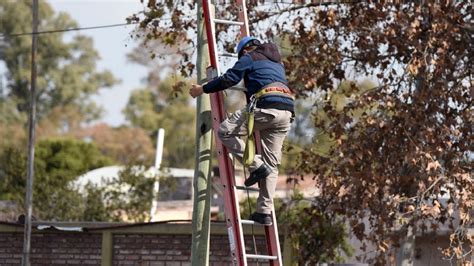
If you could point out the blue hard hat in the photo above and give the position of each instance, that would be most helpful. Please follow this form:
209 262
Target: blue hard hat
244 42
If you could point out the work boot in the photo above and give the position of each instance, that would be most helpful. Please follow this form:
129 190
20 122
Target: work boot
260 173
261 218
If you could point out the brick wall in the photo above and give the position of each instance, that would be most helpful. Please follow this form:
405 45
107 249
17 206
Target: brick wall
143 245
173 250
52 249
151 249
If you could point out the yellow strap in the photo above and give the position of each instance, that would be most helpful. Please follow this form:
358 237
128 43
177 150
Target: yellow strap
249 152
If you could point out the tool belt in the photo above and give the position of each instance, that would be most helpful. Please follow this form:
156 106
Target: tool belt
285 92
271 89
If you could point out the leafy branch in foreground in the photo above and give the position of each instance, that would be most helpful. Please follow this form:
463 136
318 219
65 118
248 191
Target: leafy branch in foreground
406 160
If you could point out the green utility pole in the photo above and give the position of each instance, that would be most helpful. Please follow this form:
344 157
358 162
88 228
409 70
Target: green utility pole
202 172
25 260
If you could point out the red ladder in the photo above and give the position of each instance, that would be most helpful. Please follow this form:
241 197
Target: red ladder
231 203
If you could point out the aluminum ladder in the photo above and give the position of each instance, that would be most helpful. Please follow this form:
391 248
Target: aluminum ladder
231 204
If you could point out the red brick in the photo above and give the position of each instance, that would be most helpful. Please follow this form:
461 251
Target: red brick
13 261
173 252
158 252
157 263
131 257
181 258
90 262
148 257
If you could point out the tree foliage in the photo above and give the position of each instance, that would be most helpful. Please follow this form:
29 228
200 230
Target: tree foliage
58 163
67 78
309 229
410 146
158 106
67 74
129 196
412 142
123 144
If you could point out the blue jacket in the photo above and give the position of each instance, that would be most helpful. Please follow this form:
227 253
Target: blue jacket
258 68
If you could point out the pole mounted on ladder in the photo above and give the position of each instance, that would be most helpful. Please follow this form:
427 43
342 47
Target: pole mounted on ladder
232 213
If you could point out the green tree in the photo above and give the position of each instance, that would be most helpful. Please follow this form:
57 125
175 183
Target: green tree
160 106
129 196
94 205
58 163
67 70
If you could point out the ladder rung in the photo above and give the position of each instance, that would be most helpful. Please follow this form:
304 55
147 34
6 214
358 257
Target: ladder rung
262 257
228 55
253 222
248 188
223 21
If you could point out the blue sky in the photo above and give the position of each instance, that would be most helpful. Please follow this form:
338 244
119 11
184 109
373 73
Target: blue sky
113 45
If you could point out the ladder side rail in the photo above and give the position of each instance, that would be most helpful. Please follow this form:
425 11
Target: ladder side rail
273 241
234 226
271 232
244 29
226 172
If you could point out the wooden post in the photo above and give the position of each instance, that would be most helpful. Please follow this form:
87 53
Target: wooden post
202 172
107 249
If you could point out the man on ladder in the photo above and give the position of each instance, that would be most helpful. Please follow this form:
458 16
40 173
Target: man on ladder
270 111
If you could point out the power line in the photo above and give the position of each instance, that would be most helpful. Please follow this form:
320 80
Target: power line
65 30
6 35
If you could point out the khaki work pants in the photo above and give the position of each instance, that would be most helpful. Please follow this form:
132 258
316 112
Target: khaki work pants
273 125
